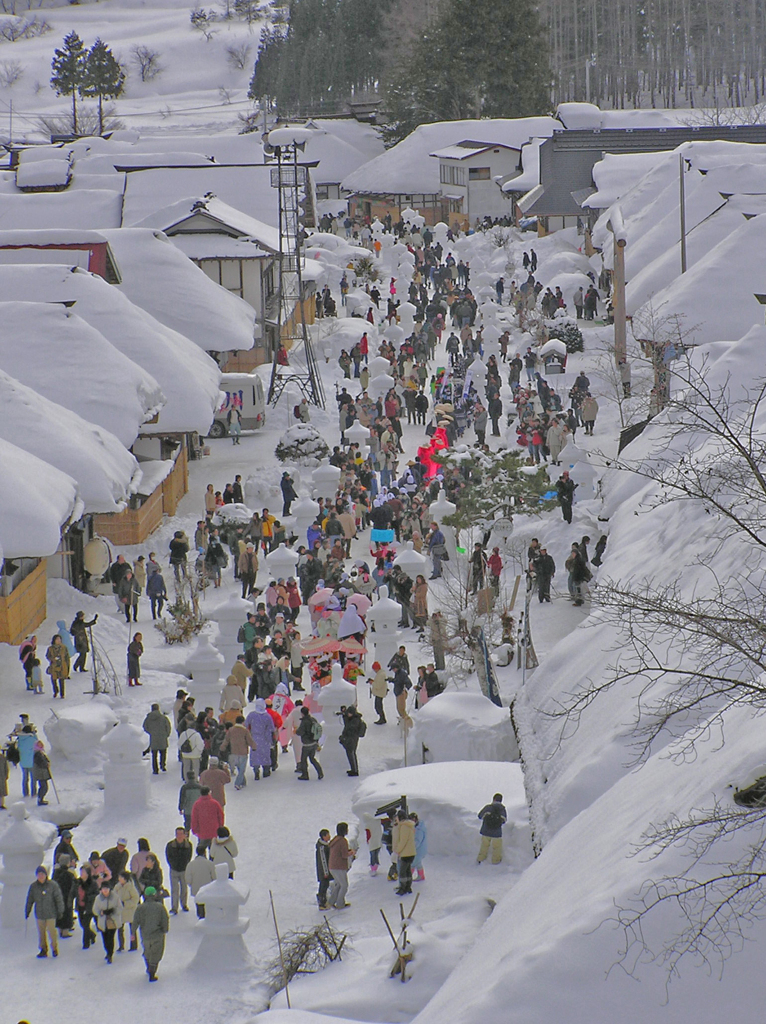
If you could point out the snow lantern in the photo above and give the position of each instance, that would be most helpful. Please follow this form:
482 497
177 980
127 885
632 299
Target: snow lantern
126 781
478 371
357 433
205 666
379 365
337 694
439 510
305 512
325 478
410 562
394 334
281 562
380 386
22 848
384 617
230 615
407 313
223 945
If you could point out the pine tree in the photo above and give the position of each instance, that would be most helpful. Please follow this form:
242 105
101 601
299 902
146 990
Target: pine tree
68 67
479 58
103 77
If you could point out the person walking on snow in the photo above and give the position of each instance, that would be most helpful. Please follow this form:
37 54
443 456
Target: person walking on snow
341 857
178 854
565 489
403 846
322 857
158 729
206 818
199 872
152 921
263 731
493 816
107 910
79 630
309 732
45 896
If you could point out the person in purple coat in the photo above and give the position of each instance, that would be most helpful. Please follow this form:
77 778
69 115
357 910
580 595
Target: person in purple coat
263 731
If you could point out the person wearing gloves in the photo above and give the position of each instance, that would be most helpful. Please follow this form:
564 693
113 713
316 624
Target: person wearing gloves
107 910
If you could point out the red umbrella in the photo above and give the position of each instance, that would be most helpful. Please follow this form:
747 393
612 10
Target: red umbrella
319 645
351 646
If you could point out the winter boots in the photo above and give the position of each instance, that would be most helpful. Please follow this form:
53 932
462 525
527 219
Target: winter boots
418 875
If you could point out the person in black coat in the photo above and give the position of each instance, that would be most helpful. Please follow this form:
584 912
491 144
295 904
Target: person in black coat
79 631
323 869
66 881
565 489
289 494
85 893
116 858
354 727
545 569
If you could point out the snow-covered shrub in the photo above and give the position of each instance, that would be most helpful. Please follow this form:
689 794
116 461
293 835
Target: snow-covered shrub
568 332
365 269
302 445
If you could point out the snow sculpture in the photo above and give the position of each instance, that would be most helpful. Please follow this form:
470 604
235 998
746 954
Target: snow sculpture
337 694
438 510
22 848
379 365
230 615
380 386
384 616
305 512
281 562
357 433
205 665
126 779
75 731
223 945
326 479
410 562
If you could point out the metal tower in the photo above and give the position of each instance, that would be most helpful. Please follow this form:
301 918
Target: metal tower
282 146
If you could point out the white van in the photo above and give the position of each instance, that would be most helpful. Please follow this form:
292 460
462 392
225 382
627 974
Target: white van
244 390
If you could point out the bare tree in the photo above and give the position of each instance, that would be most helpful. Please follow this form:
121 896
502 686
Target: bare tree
147 61
11 72
14 29
238 56
203 22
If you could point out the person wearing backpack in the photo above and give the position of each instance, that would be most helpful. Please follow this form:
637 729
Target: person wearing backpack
310 732
191 747
493 817
354 727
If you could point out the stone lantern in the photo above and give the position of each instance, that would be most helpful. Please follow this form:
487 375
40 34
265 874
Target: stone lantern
22 847
305 512
126 779
230 615
326 479
223 945
410 562
205 665
281 562
385 616
337 694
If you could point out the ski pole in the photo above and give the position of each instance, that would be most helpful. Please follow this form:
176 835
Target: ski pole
55 790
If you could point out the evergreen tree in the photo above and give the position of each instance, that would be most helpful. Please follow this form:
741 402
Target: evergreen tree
68 67
479 58
103 77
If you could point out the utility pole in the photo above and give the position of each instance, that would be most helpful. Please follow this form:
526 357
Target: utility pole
617 227
590 62
683 210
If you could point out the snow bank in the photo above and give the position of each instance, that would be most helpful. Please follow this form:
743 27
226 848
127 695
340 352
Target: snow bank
189 378
164 282
56 353
462 727
104 469
36 499
448 796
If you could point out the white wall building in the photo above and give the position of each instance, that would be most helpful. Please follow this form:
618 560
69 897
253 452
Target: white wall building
471 175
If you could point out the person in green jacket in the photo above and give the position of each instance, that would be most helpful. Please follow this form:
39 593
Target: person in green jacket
152 921
45 896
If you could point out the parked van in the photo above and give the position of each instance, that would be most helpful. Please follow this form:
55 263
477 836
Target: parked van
243 391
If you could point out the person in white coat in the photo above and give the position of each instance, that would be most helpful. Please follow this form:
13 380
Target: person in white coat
199 872
192 746
223 849
289 725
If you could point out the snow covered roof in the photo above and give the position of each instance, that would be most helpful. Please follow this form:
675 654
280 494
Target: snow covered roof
84 209
530 174
465 149
409 167
55 352
216 212
158 277
588 115
246 188
36 500
55 172
615 174
105 471
189 378
210 245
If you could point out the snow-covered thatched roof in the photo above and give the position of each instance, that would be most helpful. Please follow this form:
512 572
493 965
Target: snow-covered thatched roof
36 500
189 378
57 353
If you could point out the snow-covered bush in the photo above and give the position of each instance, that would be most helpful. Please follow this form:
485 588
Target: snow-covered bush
567 331
302 445
365 269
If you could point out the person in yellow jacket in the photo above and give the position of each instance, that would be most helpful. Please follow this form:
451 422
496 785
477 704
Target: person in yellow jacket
267 530
403 847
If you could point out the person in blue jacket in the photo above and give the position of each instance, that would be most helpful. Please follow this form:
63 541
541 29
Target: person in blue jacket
26 743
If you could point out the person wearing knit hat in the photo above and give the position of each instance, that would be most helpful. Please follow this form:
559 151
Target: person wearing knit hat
152 921
41 772
379 689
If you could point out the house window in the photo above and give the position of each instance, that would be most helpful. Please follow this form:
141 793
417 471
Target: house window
456 206
478 174
451 175
322 191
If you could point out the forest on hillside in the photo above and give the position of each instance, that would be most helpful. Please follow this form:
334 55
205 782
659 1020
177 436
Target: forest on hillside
617 53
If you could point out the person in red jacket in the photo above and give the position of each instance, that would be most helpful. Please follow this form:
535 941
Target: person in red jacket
206 818
495 566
